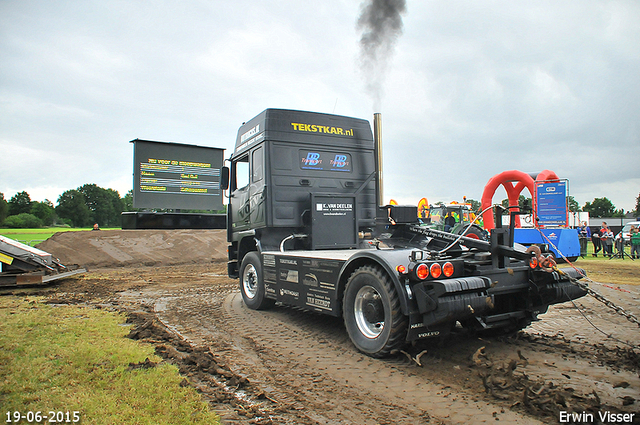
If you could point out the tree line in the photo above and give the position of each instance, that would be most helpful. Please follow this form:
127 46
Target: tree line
82 207
90 204
598 208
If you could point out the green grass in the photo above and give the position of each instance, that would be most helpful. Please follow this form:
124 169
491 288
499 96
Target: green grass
34 236
71 358
615 271
611 271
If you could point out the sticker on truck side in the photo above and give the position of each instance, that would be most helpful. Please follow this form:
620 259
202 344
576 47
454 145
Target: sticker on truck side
325 161
324 129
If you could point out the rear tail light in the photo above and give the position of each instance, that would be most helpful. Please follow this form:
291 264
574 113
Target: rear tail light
447 269
435 270
422 271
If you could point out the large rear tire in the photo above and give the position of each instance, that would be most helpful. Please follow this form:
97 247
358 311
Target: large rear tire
372 314
475 232
252 284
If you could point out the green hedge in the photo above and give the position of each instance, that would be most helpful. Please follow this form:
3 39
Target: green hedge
23 220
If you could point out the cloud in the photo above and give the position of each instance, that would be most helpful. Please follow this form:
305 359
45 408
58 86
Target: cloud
517 85
471 89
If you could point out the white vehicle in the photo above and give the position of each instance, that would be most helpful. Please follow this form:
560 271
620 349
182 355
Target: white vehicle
625 231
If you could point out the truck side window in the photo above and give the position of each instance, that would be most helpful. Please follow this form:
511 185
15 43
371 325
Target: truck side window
241 173
258 165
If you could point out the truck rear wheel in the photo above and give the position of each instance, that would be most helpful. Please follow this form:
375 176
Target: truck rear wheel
371 311
252 284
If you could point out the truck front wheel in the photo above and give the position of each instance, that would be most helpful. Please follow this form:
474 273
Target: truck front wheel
371 311
251 283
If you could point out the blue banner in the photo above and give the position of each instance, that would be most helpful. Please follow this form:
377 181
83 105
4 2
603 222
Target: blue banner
551 204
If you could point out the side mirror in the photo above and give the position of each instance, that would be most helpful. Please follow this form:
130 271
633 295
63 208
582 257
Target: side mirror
224 178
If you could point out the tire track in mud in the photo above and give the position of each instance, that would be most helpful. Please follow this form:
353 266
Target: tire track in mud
306 365
293 388
564 320
318 345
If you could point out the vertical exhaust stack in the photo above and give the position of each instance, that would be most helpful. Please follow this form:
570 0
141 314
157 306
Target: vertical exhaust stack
377 138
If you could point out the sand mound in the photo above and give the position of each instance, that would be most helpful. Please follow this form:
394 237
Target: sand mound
117 248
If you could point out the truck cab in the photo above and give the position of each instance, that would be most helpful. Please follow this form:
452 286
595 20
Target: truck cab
306 228
283 161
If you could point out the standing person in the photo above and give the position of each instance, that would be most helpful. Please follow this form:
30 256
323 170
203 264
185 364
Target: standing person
606 237
635 242
584 234
619 240
597 244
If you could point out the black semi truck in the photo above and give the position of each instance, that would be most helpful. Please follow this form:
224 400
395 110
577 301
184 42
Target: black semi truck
307 228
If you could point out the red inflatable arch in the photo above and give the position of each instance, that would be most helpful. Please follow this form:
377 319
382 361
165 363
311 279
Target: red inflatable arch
547 175
514 182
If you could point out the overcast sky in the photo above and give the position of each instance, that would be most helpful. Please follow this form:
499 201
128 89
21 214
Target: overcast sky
472 88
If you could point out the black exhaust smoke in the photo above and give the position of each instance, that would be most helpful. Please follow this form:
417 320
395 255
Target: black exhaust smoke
381 25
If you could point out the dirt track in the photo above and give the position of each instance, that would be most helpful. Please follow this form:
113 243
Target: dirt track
287 366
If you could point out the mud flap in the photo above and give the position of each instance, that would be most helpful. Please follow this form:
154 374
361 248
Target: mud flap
451 300
552 288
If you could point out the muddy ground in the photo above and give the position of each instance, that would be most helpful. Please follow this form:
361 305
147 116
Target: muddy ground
284 366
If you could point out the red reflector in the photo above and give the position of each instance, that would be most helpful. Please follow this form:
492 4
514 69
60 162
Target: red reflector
435 270
447 269
401 269
422 271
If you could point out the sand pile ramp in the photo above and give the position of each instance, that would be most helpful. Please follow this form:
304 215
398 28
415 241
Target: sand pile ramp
125 248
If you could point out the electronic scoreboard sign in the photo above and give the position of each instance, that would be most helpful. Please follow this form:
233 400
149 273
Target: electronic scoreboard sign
176 176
